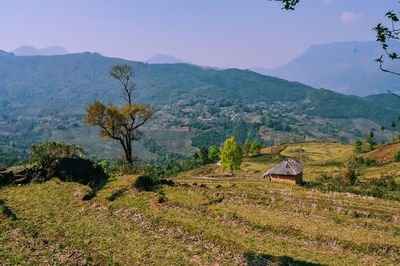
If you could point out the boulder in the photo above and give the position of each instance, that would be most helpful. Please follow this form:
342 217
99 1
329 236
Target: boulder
35 173
6 176
77 170
67 169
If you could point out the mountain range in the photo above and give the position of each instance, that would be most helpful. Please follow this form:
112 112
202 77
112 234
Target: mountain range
44 97
346 67
27 50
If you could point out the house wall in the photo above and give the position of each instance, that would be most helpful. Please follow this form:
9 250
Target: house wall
288 179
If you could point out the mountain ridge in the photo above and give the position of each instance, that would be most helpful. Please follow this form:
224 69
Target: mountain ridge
163 59
44 97
345 67
27 50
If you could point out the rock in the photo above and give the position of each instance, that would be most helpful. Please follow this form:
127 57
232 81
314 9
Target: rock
67 169
6 176
78 170
35 173
164 181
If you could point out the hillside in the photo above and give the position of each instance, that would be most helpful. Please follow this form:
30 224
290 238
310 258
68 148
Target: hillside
346 67
44 97
207 217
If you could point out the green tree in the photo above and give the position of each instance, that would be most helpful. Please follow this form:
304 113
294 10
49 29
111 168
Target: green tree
255 147
121 124
369 138
393 126
398 122
231 155
246 148
203 154
213 153
358 145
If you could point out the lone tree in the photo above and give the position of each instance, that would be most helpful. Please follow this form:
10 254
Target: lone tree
231 155
116 123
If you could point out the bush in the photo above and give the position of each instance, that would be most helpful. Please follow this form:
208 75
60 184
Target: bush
383 187
213 153
255 147
366 160
49 151
396 155
145 183
350 175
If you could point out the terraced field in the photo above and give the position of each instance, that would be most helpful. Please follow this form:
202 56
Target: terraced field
207 217
201 220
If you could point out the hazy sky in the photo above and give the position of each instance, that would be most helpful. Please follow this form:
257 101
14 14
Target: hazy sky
222 33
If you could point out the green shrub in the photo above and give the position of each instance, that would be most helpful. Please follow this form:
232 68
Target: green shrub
350 175
127 169
396 155
50 151
383 187
366 160
145 183
213 153
255 147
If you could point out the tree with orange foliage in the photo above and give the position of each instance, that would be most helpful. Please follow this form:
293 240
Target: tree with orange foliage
123 123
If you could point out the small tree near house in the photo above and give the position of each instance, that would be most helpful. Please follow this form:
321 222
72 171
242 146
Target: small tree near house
213 153
121 124
246 148
255 147
231 155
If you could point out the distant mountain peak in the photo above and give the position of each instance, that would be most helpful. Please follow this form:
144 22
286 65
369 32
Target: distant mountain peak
27 50
344 67
163 59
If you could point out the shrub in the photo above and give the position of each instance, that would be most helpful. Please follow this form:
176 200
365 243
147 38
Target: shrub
50 151
145 183
366 160
350 175
255 147
358 145
213 153
396 155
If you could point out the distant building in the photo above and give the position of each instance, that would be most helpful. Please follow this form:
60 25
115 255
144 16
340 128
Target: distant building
289 171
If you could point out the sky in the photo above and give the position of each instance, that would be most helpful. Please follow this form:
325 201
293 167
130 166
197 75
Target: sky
219 33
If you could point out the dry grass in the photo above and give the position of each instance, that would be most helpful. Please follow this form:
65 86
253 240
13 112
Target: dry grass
239 219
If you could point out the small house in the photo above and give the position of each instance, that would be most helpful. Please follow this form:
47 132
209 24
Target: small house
289 171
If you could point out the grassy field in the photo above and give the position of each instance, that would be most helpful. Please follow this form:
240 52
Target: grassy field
207 218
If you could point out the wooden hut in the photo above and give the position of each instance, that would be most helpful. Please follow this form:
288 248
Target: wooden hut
289 171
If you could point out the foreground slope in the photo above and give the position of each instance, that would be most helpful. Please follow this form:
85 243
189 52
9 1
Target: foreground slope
206 218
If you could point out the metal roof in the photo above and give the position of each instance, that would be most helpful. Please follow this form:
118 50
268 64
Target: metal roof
287 167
